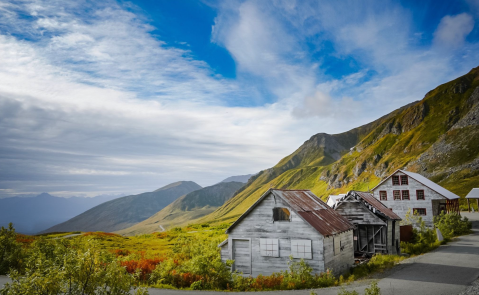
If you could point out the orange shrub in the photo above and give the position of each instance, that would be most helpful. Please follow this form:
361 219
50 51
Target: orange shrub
146 266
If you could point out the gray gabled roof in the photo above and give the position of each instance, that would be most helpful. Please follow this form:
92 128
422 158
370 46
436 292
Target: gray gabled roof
473 194
430 184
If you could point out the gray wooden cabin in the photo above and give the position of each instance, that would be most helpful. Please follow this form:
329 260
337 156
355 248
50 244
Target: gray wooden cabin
377 227
284 223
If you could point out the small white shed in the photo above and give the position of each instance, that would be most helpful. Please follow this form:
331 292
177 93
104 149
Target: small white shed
284 223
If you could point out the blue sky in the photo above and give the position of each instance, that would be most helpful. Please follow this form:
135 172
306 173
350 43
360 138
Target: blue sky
127 96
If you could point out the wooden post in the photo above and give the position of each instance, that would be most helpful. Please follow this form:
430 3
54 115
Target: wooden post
477 205
469 206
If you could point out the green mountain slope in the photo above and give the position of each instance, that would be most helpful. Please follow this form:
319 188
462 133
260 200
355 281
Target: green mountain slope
126 211
437 137
187 208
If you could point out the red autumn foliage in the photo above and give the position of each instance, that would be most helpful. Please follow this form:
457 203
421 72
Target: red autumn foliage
24 239
267 282
145 265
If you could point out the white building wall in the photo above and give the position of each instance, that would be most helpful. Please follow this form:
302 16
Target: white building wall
431 202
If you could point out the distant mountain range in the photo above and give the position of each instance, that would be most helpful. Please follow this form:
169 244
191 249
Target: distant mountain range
187 208
437 137
238 178
33 214
125 211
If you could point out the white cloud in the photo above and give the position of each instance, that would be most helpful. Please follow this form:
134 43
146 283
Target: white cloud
102 106
453 30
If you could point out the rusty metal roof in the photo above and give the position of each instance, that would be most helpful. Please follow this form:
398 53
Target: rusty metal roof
378 205
309 207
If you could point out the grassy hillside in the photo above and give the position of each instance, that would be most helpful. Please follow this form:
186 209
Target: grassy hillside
187 208
126 211
437 137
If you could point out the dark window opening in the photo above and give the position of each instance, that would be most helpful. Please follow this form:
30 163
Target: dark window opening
405 195
419 211
420 195
280 214
404 180
397 195
396 180
383 195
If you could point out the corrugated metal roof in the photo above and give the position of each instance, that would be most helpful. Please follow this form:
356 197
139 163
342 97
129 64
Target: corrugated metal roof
314 211
371 200
473 194
309 207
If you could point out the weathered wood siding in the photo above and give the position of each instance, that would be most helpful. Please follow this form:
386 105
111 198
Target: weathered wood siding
259 224
224 252
400 207
342 261
357 213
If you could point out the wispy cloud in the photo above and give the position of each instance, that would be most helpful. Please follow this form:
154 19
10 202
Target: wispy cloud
93 101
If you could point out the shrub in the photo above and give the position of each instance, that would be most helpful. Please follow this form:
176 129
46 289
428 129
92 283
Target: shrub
452 225
373 289
11 253
64 267
378 262
424 239
194 259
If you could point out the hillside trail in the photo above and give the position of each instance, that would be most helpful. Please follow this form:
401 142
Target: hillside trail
450 269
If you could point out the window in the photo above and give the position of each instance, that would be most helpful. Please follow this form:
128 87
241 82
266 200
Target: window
405 195
301 249
280 214
397 195
419 211
404 180
420 194
396 180
269 247
383 195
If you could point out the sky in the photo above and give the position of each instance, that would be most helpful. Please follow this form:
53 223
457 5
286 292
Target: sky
113 97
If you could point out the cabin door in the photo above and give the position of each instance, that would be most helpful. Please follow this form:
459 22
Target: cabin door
242 255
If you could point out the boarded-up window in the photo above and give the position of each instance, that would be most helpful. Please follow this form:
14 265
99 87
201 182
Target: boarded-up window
301 249
281 214
405 195
397 195
337 245
420 194
396 180
269 247
383 195
404 180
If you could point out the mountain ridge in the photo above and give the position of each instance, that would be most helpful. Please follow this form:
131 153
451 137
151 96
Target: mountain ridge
31 214
125 211
372 151
187 208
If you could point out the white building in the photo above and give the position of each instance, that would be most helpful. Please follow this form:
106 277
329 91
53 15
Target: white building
333 199
404 190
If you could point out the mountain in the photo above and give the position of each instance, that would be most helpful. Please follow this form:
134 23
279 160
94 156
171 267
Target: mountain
126 211
437 137
187 208
238 178
32 214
